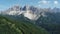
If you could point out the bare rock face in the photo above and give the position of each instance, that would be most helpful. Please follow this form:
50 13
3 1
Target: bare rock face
30 12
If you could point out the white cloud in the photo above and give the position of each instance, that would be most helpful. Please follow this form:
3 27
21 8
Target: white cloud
39 5
55 2
44 2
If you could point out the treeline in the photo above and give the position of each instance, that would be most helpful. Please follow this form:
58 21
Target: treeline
51 22
9 26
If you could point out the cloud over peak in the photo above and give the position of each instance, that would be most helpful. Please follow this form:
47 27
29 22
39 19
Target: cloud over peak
56 2
48 2
44 2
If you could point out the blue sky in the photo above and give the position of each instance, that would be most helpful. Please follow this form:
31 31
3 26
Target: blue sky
5 4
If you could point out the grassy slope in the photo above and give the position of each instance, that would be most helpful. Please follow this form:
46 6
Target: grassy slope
22 27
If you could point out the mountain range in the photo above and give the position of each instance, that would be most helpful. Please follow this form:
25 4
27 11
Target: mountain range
30 12
47 18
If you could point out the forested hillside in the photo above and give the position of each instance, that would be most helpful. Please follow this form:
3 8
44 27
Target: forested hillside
9 26
51 22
